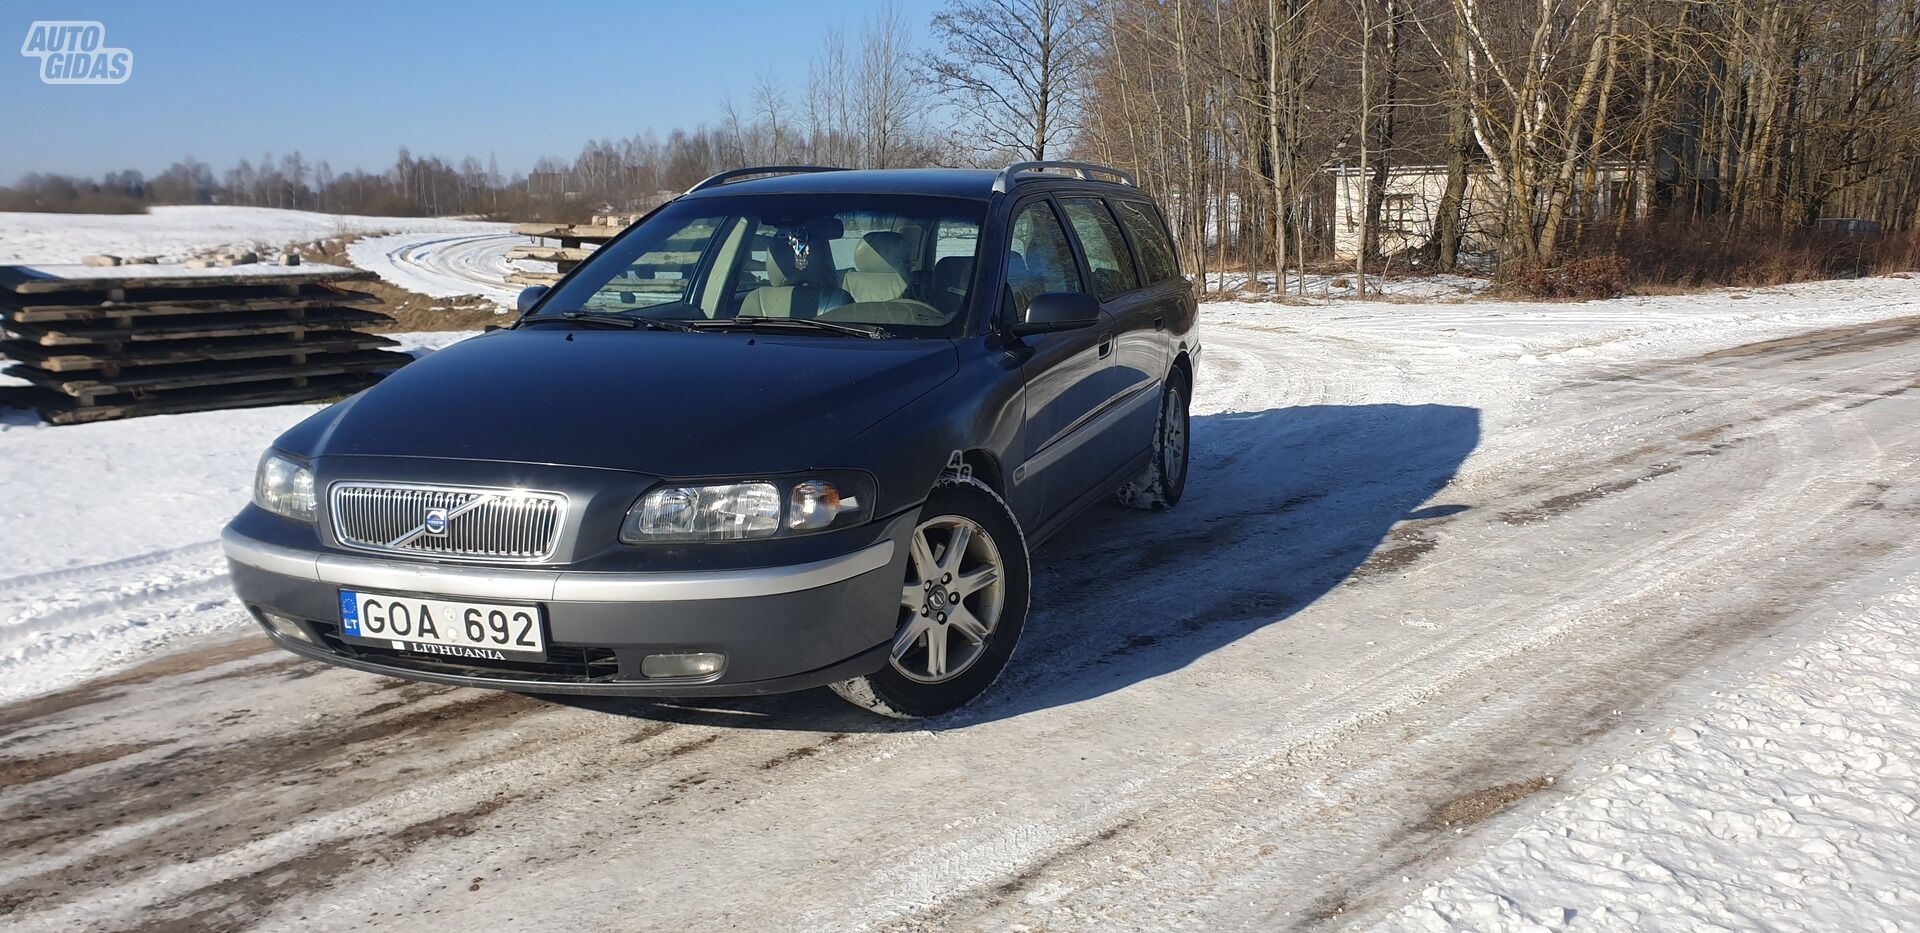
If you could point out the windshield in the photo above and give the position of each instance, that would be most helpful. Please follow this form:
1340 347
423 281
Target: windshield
903 265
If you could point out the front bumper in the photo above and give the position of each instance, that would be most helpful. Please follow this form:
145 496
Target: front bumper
779 628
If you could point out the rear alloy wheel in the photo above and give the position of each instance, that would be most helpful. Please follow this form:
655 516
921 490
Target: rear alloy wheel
962 606
1160 486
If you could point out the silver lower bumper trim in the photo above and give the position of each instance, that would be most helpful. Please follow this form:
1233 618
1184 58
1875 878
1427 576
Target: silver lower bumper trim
550 585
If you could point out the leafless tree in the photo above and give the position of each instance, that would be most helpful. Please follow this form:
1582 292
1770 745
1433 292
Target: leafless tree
888 98
1012 70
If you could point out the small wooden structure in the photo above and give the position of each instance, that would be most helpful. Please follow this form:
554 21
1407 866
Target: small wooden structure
577 241
119 341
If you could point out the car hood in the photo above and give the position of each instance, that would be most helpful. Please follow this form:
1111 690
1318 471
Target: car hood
667 404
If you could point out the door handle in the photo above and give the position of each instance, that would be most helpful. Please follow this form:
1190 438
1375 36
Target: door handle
1106 345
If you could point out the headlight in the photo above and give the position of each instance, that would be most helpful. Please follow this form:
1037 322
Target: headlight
758 509
284 487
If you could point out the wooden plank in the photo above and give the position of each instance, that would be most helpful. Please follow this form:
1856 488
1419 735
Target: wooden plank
46 279
532 278
151 379
111 310
549 253
60 409
196 326
590 234
188 351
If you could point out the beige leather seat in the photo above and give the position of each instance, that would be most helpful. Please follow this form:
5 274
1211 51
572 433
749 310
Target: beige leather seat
879 268
787 293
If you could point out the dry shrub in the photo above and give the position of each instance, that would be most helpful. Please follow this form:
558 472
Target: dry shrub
1677 255
1583 277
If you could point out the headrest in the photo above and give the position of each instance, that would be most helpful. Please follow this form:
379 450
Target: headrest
782 268
1016 265
952 273
881 251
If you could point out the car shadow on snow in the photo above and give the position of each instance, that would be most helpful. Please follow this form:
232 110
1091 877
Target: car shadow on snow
1281 507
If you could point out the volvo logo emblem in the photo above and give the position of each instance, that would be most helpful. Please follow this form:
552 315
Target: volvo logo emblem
435 523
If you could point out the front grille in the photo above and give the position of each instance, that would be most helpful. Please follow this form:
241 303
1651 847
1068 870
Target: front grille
479 524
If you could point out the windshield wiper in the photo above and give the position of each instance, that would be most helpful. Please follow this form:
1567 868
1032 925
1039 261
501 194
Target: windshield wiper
870 331
612 320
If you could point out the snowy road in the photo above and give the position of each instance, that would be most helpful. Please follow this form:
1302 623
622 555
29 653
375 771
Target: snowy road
1437 565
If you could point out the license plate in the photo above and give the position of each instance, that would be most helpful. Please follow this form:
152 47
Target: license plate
459 629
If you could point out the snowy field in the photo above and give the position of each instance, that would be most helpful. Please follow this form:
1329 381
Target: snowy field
439 257
1478 615
178 233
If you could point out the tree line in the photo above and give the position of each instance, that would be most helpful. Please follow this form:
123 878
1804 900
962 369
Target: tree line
1723 120
1548 129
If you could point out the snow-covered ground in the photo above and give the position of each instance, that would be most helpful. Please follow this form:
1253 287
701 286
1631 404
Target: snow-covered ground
1331 286
1791 803
109 552
1481 615
1432 556
176 233
441 257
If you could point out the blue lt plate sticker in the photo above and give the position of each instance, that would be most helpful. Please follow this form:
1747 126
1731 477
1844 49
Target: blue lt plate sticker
349 614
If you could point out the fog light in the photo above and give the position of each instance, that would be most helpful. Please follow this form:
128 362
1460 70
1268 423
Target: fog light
286 627
681 665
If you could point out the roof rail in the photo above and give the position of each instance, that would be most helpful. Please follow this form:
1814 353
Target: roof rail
1009 176
715 181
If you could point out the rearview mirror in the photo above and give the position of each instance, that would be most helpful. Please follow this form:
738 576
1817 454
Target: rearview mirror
529 297
1057 311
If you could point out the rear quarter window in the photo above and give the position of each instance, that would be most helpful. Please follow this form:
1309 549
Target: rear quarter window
1157 261
1102 245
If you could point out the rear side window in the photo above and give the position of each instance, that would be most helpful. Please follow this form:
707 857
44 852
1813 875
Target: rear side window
1038 257
1150 237
1107 257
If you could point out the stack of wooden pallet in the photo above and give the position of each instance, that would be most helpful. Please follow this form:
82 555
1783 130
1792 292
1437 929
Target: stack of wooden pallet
576 242
114 342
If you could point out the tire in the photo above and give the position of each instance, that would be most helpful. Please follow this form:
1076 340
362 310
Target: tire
919 681
1160 486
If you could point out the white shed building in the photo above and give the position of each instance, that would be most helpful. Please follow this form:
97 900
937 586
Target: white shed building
1413 195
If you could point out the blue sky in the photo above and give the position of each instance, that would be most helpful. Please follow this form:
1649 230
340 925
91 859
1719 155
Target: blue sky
350 82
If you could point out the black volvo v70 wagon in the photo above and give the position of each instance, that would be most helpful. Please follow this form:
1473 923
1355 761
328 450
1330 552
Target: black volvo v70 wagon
784 432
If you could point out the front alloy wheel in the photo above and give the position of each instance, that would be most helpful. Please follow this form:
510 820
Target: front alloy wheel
951 601
962 606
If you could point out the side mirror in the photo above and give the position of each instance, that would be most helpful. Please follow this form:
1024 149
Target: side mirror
1057 311
529 297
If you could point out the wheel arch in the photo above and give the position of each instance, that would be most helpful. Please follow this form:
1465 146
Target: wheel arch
985 467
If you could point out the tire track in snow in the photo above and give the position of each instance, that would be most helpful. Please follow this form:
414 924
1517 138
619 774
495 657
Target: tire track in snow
10 585
446 266
102 615
1356 701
